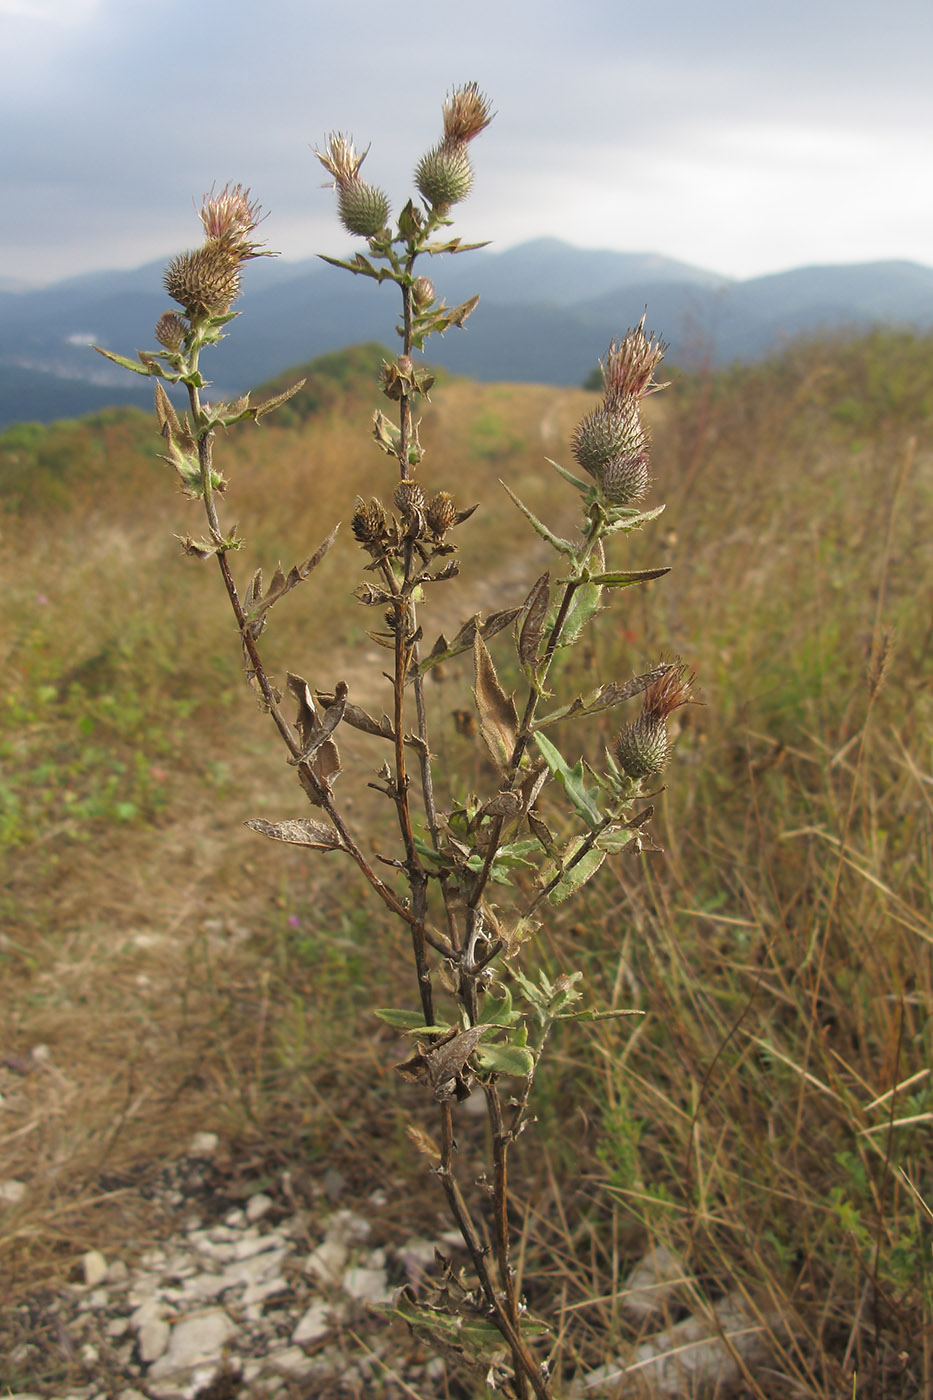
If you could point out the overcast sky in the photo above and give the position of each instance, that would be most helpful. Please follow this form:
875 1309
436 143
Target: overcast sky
741 136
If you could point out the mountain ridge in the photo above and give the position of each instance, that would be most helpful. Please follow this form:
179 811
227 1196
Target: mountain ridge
548 311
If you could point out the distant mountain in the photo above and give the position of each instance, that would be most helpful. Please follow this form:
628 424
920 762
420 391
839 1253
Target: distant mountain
548 311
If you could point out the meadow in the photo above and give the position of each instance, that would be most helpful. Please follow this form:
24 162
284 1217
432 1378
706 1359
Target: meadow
768 1118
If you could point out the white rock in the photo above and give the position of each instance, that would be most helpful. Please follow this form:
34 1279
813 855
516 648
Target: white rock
654 1283
314 1326
328 1261
149 1310
131 1395
252 1243
290 1361
258 1206
690 1357
193 1341
41 1054
236 1219
153 1339
203 1145
12 1191
116 1328
117 1272
98 1299
347 1227
368 1286
94 1267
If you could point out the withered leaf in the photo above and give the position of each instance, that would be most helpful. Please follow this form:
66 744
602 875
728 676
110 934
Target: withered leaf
283 583
605 697
301 832
498 721
530 621
463 641
442 1066
358 718
504 804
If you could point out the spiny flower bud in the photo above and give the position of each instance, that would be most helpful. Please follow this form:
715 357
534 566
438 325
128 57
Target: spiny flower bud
409 497
369 521
441 514
363 209
642 749
171 330
205 282
606 435
444 176
422 293
624 480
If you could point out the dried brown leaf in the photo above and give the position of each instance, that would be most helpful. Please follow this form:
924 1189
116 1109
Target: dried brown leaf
302 832
530 621
498 721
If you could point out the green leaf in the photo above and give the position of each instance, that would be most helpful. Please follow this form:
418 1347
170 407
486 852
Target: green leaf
628 522
582 486
626 578
499 1009
124 363
576 876
506 1059
402 1020
561 545
571 780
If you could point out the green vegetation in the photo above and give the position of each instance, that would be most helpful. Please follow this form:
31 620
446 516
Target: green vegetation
769 1115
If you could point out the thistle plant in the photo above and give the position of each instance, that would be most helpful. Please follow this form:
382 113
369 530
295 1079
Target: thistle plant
474 881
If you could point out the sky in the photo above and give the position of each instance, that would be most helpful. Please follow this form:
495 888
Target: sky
740 136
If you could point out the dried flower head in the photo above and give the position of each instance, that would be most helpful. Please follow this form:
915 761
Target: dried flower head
369 522
629 367
441 514
670 691
409 498
466 113
171 330
205 282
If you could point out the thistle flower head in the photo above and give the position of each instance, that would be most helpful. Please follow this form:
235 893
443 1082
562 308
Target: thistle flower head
171 330
670 691
229 217
340 159
643 748
629 366
466 113
363 209
204 282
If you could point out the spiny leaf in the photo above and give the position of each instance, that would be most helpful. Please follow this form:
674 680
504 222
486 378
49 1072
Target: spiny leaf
571 780
283 583
506 1059
561 545
583 486
463 641
124 363
576 876
401 1020
605 697
498 721
625 578
261 409
302 832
